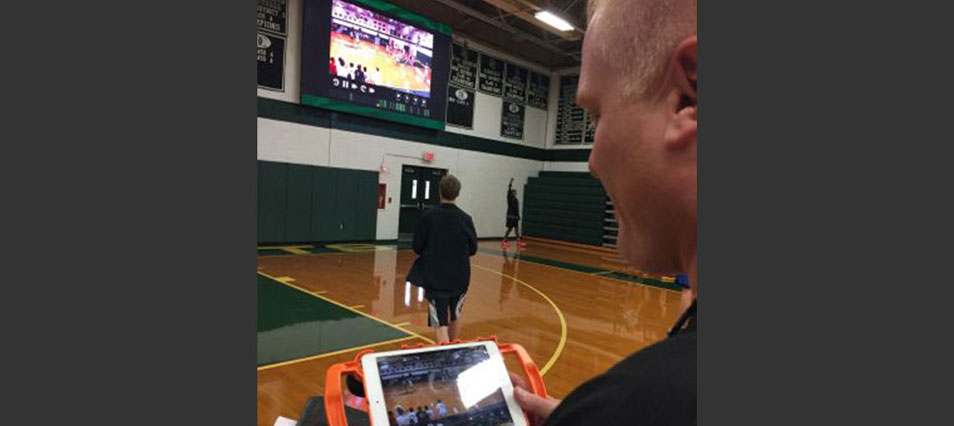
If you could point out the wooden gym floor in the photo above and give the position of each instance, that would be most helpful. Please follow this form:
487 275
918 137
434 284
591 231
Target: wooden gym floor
576 311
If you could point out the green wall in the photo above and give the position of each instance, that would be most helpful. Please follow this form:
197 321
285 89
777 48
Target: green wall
298 203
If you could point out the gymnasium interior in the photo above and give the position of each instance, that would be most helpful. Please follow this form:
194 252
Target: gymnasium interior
347 164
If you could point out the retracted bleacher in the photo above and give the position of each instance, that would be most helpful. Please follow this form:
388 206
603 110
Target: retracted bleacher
568 206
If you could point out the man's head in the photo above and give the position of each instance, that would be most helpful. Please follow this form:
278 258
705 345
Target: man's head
449 188
638 83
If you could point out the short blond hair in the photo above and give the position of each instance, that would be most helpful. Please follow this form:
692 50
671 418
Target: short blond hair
639 37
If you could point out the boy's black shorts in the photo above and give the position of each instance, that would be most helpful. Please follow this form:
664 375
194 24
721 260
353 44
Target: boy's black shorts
443 310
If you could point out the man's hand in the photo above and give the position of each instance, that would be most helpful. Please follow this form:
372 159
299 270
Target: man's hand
538 408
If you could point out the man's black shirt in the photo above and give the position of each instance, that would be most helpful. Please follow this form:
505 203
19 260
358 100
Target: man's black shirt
655 386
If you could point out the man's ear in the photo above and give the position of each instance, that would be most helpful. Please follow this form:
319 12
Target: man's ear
683 73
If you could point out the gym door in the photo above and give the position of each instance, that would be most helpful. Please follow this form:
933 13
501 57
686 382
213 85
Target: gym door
418 192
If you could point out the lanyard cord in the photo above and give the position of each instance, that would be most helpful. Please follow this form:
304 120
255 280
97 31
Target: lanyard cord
686 317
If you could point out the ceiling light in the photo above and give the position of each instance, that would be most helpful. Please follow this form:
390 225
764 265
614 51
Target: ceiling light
553 20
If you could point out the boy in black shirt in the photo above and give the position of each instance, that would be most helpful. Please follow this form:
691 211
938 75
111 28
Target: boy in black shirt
445 239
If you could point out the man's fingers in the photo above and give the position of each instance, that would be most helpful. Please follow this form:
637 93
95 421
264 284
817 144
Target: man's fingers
534 403
518 381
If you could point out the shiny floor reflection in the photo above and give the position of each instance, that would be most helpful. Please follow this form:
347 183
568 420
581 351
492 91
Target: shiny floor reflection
605 319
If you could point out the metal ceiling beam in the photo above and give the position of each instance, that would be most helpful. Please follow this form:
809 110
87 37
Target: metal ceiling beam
565 9
508 28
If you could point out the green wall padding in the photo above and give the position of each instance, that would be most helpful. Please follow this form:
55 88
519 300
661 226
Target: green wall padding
299 204
323 192
271 206
560 181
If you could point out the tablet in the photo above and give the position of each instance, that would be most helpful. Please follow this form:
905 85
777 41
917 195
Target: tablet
452 385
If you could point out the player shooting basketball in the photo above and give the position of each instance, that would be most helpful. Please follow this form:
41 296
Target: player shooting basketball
513 216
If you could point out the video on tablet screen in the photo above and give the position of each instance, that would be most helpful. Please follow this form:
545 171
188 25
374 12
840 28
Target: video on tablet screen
443 388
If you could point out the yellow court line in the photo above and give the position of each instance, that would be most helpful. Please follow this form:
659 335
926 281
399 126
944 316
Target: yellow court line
348 308
311 254
285 247
285 279
339 352
294 250
357 248
589 274
357 306
403 324
559 349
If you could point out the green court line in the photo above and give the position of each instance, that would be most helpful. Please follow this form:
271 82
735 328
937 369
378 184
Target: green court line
293 325
317 250
271 252
545 261
267 252
585 269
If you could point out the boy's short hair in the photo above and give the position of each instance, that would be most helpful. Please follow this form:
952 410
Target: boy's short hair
449 188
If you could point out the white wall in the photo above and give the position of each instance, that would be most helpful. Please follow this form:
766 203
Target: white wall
566 166
293 143
487 122
483 176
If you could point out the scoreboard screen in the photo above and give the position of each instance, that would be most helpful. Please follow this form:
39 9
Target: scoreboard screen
372 58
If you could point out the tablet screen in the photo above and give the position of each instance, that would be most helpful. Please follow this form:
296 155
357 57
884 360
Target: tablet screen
443 388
